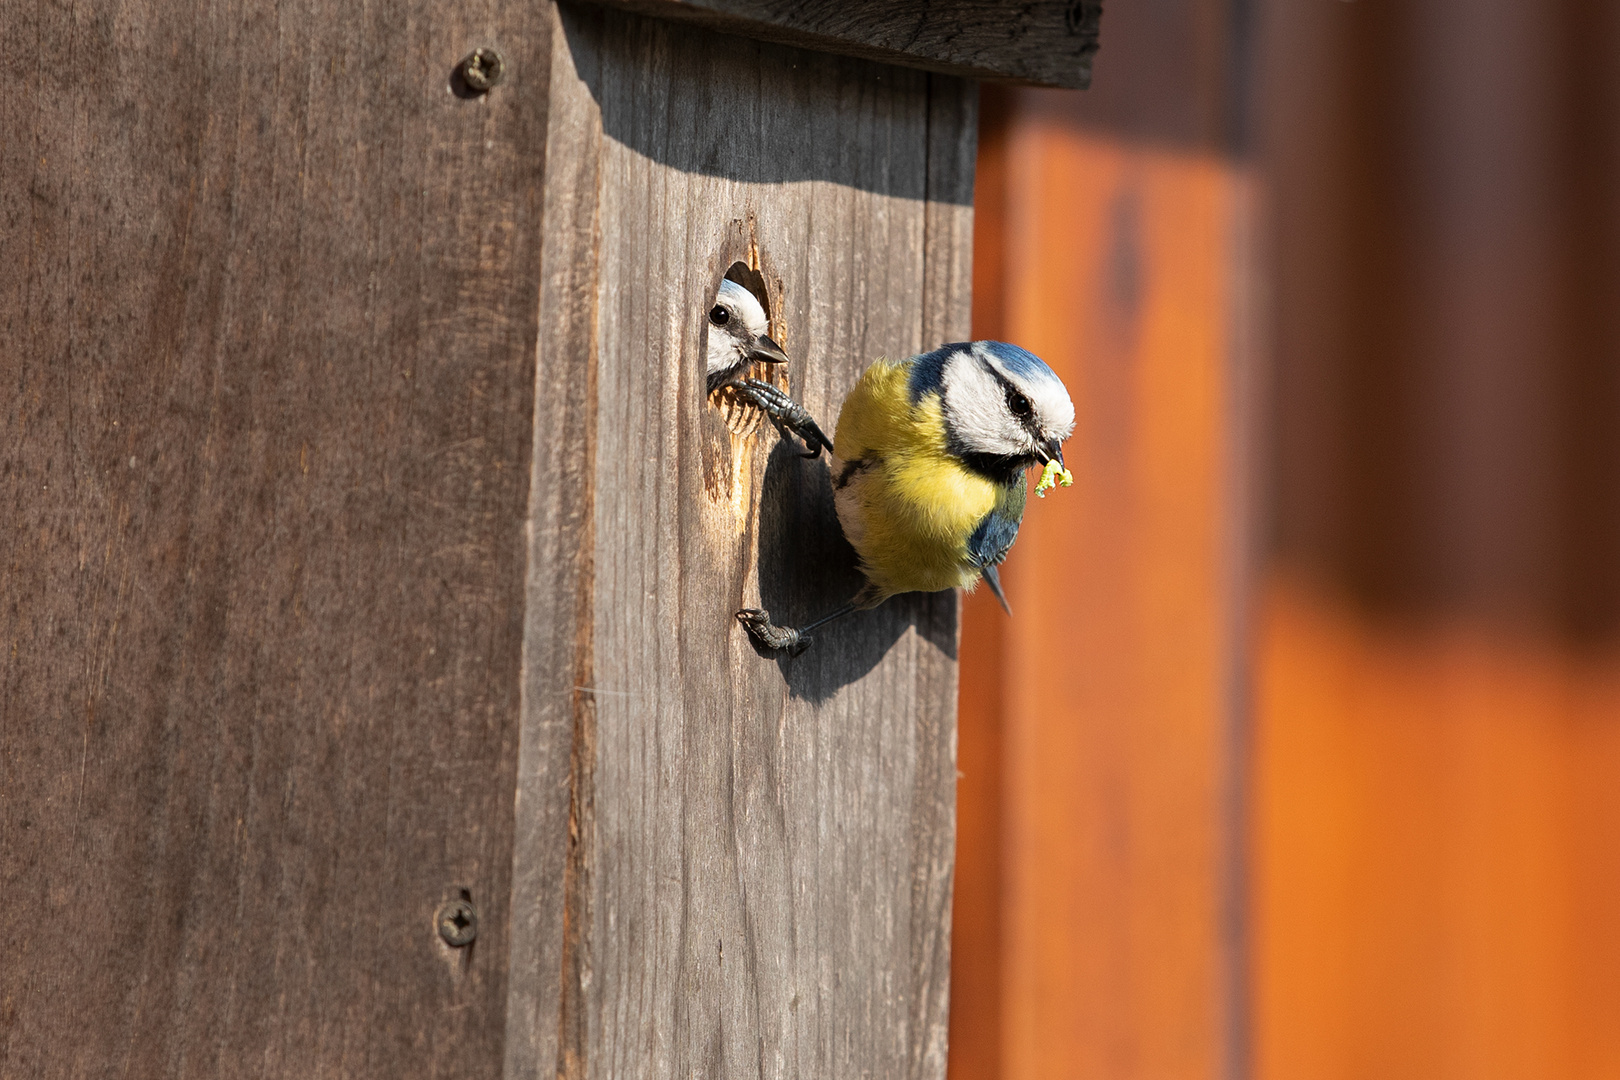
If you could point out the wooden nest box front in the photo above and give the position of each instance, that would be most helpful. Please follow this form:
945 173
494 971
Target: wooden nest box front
374 704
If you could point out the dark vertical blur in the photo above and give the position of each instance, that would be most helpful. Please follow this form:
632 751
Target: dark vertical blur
1446 186
1171 75
1436 797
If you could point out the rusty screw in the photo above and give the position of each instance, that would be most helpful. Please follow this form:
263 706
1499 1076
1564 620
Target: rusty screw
458 922
481 69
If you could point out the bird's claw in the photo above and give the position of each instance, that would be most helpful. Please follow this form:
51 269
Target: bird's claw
785 414
776 638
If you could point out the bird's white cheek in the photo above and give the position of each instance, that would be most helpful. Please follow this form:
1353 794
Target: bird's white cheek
722 356
984 426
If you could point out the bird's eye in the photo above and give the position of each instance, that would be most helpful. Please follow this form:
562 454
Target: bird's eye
1018 403
719 315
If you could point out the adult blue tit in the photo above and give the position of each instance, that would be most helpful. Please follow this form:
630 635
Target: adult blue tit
929 470
737 337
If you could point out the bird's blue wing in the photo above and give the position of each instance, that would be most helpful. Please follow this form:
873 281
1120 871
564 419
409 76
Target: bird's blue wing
993 537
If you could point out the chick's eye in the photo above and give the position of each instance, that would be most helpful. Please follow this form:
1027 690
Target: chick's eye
719 315
1019 404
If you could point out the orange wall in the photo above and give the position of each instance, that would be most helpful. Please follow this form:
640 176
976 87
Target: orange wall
1436 875
1437 852
1320 782
1094 902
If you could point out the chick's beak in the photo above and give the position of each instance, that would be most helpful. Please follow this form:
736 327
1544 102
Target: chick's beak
767 350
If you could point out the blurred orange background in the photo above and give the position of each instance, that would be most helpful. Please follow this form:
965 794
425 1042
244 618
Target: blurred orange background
1301 757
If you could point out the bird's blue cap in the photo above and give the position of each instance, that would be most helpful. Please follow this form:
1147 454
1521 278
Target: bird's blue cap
928 370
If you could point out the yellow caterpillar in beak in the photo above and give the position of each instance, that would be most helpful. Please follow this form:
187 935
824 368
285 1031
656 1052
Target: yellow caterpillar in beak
1054 475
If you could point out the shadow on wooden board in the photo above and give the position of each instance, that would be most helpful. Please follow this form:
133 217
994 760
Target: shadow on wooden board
738 137
807 568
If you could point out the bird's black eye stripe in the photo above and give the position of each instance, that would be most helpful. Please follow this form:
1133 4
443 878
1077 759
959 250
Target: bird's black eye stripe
719 315
1018 403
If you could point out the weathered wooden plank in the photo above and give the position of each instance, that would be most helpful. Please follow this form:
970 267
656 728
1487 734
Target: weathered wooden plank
758 880
1041 42
269 309
557 700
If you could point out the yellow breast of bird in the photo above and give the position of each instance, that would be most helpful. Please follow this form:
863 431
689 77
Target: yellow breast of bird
905 504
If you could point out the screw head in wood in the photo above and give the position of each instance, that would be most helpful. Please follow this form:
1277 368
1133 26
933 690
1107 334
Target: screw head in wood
458 922
480 70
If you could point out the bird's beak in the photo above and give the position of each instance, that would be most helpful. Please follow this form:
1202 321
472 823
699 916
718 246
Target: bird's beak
1050 450
767 350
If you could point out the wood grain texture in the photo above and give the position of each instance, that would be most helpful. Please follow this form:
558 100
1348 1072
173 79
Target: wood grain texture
280 649
268 295
557 702
1043 43
758 874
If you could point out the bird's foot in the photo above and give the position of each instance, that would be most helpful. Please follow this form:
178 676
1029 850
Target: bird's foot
776 638
785 413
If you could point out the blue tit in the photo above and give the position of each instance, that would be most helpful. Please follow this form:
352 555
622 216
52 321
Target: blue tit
737 335
737 338
928 471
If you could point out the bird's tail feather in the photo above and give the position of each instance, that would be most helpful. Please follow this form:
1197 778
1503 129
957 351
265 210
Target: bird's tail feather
992 578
